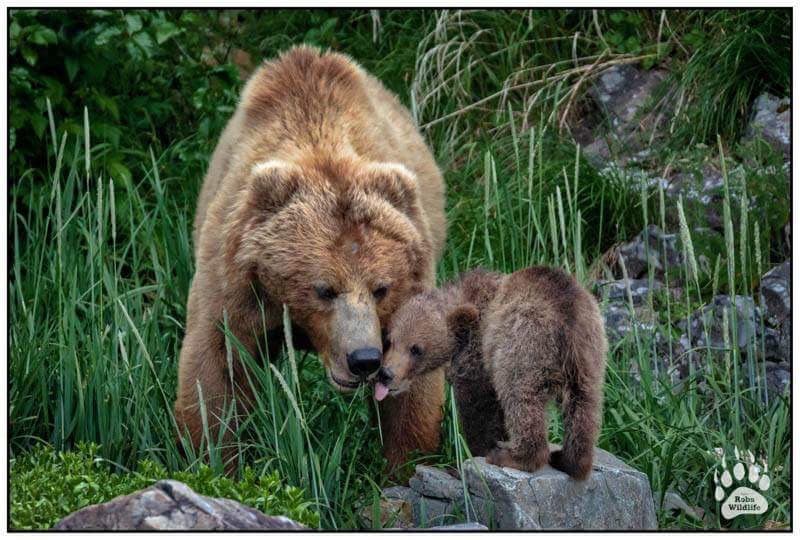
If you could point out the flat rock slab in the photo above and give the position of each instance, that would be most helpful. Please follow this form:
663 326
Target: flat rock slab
172 505
614 497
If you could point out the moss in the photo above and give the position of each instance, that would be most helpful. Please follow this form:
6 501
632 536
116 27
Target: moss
47 485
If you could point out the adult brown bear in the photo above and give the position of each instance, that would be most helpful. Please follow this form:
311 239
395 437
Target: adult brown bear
321 195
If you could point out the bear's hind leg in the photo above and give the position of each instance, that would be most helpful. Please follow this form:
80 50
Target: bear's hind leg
581 414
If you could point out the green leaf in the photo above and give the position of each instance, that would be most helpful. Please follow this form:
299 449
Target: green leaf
145 42
120 173
44 36
166 30
133 23
106 35
72 67
29 55
14 30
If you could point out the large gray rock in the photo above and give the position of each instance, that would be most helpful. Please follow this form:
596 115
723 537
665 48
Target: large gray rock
171 505
614 497
770 120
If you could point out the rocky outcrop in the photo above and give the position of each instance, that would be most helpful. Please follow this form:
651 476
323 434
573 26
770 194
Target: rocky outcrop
614 497
169 505
771 121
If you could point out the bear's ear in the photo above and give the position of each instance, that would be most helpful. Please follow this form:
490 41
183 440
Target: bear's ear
394 183
270 187
462 320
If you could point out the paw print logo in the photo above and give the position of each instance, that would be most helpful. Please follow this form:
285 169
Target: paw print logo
748 481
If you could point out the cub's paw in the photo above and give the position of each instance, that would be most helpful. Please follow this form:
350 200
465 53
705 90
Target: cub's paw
578 471
502 458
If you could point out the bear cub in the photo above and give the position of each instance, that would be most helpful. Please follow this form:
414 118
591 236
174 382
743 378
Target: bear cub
511 344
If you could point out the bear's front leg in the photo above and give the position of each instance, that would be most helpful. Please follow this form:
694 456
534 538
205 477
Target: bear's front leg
412 420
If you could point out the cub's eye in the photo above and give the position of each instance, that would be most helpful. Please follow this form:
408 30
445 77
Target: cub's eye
415 351
324 292
380 292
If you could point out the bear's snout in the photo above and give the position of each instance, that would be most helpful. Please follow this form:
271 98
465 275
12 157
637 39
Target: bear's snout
385 375
365 361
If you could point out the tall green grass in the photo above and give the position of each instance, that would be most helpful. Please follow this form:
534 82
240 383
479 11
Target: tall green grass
99 276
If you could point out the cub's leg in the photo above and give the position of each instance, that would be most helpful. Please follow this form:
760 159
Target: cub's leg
581 410
524 407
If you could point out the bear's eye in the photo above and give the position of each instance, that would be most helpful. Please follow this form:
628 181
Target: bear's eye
325 292
415 351
380 292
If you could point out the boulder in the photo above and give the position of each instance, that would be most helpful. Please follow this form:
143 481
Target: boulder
620 320
651 247
169 505
617 290
623 92
775 293
614 497
705 326
778 379
771 121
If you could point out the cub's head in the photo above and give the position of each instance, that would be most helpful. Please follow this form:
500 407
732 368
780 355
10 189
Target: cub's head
422 336
342 245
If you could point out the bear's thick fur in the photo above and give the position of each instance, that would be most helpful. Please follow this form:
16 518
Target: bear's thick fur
513 343
321 195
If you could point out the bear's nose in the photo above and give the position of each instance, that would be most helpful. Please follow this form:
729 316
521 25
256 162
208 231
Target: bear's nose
362 362
385 375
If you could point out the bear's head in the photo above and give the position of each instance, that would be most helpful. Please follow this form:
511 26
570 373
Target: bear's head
424 334
342 245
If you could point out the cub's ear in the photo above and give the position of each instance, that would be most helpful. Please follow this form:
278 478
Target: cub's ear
416 288
271 185
462 320
394 183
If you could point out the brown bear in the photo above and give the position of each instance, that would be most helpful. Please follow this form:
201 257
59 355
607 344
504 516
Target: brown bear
512 343
321 195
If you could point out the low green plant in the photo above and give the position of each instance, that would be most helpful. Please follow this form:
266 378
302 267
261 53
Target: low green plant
47 485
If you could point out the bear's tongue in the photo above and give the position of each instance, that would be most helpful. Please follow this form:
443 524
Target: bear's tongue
380 391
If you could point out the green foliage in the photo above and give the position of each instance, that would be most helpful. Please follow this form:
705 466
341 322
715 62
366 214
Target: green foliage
733 56
47 485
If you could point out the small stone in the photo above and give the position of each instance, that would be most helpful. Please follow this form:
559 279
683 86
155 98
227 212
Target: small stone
597 153
432 482
674 503
394 509
469 526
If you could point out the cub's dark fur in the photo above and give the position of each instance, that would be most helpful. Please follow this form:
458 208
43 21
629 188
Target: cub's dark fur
514 342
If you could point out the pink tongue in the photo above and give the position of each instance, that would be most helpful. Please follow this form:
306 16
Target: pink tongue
380 391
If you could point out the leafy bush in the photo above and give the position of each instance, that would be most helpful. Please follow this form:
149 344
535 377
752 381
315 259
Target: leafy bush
47 485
